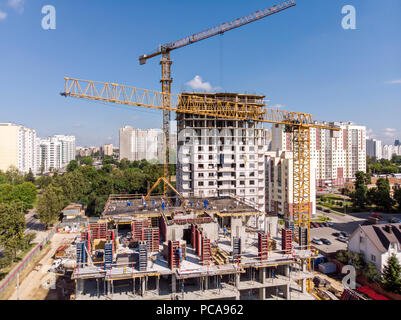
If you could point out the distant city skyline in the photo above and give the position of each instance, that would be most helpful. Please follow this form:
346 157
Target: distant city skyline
301 59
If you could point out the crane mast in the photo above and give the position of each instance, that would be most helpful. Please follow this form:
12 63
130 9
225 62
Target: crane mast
165 62
299 124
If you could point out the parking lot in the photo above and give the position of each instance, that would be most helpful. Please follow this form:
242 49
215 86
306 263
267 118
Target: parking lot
327 233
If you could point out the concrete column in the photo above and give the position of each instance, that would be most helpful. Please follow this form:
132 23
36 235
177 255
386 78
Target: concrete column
173 284
97 286
287 270
303 284
262 275
143 286
112 287
286 291
206 283
262 293
158 285
237 279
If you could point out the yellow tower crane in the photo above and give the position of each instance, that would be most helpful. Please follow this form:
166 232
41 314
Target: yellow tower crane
164 51
296 122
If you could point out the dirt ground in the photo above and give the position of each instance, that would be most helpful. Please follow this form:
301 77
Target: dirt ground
37 273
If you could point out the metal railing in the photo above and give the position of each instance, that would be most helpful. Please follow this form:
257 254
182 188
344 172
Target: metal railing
13 274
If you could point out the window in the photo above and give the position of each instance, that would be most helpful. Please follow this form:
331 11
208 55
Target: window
373 258
200 184
211 183
211 174
210 157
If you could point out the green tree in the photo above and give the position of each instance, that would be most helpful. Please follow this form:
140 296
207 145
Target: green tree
382 196
359 196
392 275
96 205
29 177
6 193
25 193
87 161
13 176
50 204
397 196
371 273
12 228
43 181
72 165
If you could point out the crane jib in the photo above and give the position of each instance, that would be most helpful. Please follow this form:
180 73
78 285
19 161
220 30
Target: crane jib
224 27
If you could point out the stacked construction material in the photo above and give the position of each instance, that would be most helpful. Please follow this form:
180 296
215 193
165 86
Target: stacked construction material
206 251
143 257
286 240
80 253
303 237
263 246
137 229
108 255
98 229
173 257
151 236
236 250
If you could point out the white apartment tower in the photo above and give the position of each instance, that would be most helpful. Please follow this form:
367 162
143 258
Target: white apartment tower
137 144
17 148
221 157
67 148
337 155
374 148
279 184
50 150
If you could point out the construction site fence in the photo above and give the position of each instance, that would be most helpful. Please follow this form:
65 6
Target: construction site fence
12 275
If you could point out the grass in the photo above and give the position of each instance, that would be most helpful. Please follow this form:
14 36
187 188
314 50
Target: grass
321 219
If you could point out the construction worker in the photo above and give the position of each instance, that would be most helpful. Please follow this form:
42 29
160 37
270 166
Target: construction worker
224 231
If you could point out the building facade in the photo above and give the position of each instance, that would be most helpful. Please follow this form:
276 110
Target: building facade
374 148
18 148
279 184
137 144
107 150
221 157
337 155
377 243
55 152
390 150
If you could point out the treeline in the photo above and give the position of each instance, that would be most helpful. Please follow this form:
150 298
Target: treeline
383 166
86 184
380 196
17 195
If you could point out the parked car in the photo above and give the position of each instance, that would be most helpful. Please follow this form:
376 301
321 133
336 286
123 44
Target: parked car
376 215
326 241
315 224
317 241
327 210
319 208
330 224
344 234
336 234
395 220
342 239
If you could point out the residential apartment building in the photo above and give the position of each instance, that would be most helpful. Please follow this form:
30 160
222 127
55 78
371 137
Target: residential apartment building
279 184
221 157
390 150
137 144
17 148
55 152
50 151
106 150
337 155
374 148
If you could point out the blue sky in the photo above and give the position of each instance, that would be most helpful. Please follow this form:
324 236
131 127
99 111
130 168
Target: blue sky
301 59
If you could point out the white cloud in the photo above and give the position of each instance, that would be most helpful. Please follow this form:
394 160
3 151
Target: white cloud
3 15
198 84
390 132
17 5
396 81
370 134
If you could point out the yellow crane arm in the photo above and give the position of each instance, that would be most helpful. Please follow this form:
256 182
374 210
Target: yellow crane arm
252 110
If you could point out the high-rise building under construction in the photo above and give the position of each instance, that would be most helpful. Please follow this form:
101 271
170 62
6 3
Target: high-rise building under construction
221 157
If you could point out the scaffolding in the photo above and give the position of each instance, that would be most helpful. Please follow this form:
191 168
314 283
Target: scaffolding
206 256
173 257
151 236
286 240
143 257
237 250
